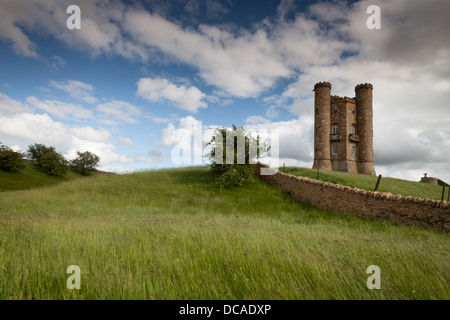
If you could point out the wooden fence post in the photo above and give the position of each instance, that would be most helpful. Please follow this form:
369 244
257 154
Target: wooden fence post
378 183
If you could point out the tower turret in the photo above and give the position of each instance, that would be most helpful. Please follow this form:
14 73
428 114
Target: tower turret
322 105
363 97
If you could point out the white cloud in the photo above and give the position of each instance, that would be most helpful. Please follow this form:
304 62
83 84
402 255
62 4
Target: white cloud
61 109
37 127
77 90
240 62
242 65
157 89
10 106
188 140
256 119
412 33
101 135
156 119
12 12
117 112
272 112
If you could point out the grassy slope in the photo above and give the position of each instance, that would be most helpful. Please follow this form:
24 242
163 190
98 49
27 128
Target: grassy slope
170 235
31 177
394 186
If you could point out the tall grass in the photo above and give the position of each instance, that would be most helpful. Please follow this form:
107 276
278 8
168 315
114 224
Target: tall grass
170 234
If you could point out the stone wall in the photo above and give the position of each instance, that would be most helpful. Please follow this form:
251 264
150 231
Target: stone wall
432 214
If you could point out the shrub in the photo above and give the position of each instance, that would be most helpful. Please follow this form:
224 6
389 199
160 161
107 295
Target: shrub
85 162
53 163
10 160
234 176
240 170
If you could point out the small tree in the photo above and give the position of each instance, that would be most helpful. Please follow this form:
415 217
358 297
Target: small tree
235 168
85 162
53 163
36 151
10 160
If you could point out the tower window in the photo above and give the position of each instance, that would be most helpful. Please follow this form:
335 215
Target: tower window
353 151
334 111
334 149
335 129
352 129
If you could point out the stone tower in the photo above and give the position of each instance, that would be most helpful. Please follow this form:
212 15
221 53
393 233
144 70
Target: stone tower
322 102
343 130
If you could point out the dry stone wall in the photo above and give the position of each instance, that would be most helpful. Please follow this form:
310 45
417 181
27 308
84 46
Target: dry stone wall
432 214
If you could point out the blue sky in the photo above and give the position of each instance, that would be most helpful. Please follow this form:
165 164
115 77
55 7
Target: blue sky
139 72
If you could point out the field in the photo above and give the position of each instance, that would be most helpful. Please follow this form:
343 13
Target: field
170 234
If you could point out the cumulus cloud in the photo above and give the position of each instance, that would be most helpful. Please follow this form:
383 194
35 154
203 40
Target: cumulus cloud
90 134
238 61
116 112
272 112
188 140
77 90
60 109
12 12
157 89
9 106
99 33
231 63
39 127
412 32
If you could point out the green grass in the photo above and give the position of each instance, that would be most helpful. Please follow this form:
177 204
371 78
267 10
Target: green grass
170 234
31 177
392 185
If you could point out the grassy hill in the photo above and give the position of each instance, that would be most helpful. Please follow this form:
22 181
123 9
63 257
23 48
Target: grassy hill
31 177
169 234
392 185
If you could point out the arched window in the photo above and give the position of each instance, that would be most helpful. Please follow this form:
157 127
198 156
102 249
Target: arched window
335 129
354 151
334 149
352 129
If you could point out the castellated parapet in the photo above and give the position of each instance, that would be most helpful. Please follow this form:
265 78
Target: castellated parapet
343 130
